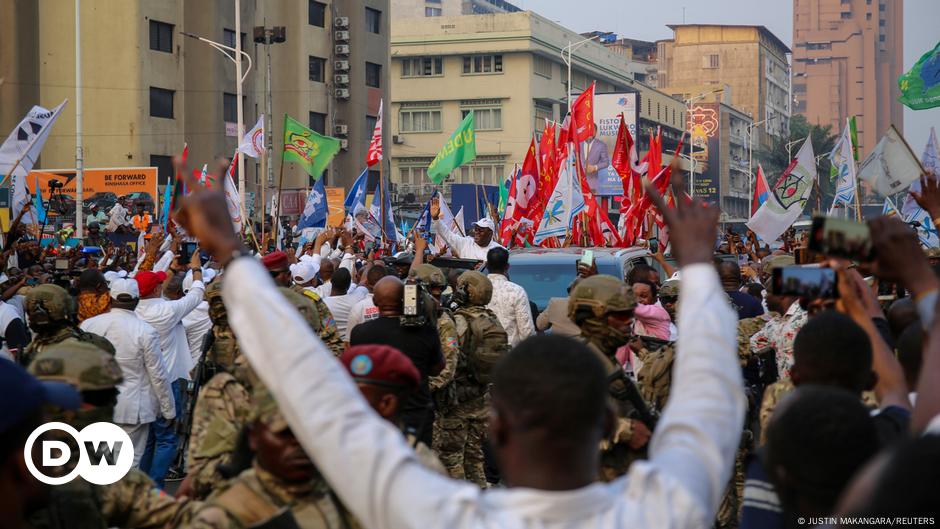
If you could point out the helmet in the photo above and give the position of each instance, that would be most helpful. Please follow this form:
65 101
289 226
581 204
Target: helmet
430 275
670 289
82 364
49 304
217 312
473 288
304 305
597 296
776 261
933 253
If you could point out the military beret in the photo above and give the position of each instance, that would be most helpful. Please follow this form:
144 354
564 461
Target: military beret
382 365
275 261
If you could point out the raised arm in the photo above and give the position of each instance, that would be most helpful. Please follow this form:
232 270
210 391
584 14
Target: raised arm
156 372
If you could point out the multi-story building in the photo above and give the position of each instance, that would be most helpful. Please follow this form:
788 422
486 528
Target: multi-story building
750 62
719 135
640 53
147 88
847 57
448 8
508 69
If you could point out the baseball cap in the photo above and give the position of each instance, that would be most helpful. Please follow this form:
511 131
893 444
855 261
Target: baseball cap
275 261
208 274
147 281
382 365
303 273
122 286
486 222
23 393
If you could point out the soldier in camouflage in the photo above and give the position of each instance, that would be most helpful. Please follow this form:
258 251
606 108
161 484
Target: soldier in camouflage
441 384
51 313
135 500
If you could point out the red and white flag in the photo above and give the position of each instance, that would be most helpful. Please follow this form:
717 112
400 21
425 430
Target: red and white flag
374 154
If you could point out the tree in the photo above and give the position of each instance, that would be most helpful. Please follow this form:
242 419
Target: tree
777 159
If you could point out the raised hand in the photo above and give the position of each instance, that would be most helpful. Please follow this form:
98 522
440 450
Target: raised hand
929 195
898 256
204 215
693 226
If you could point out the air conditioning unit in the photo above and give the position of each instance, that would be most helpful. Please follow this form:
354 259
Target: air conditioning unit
341 129
341 22
398 140
341 49
341 79
341 36
342 93
341 66
344 144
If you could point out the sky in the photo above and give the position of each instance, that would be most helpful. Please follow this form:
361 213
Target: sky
647 19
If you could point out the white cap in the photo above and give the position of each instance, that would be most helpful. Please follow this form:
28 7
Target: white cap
122 285
486 222
111 275
208 274
303 273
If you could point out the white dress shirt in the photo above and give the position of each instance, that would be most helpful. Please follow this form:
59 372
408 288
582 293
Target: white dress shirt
197 325
511 306
167 318
137 350
364 310
340 306
380 480
465 246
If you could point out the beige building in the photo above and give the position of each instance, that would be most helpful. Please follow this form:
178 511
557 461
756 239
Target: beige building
449 8
507 68
147 89
847 57
750 62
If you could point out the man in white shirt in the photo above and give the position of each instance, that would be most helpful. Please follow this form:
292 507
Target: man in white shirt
197 323
474 247
365 310
167 318
327 267
509 302
341 300
550 463
146 383
304 275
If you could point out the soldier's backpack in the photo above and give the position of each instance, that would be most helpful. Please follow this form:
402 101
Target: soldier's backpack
486 341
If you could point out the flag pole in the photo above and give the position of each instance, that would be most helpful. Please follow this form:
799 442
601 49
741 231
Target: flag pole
280 183
858 208
382 205
264 186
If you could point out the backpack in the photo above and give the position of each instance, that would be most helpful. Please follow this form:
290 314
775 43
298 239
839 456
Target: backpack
486 340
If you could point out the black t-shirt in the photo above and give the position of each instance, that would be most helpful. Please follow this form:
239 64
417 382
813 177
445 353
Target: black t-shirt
746 304
420 344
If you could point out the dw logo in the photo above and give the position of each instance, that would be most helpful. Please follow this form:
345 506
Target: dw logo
106 453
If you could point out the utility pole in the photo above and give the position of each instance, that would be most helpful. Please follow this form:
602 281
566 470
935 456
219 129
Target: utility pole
242 190
267 36
79 149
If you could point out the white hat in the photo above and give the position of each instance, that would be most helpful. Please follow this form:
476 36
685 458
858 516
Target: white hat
486 222
208 274
122 285
303 273
111 275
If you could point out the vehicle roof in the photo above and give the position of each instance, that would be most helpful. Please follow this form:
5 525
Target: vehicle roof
525 254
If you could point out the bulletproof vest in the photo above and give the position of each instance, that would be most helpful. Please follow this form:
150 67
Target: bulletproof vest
483 341
224 347
76 501
655 377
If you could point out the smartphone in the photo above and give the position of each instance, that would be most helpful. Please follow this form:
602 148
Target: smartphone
841 238
96 250
742 260
587 258
61 264
806 282
186 251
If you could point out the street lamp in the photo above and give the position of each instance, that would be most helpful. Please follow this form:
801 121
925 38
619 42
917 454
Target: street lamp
750 159
570 48
688 104
236 51
268 36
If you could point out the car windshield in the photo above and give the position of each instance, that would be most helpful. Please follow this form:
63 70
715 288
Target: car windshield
543 281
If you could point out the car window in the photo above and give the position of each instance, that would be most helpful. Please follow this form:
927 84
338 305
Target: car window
543 281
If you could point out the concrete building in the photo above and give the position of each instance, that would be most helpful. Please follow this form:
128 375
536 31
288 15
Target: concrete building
641 54
449 8
508 69
847 57
750 62
147 89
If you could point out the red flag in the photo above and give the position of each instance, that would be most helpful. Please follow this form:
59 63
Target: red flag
523 196
374 154
655 155
760 190
547 164
561 147
582 113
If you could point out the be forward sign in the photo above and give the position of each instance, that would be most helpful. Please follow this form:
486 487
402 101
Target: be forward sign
106 453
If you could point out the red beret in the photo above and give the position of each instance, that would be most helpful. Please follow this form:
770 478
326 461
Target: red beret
380 364
275 261
147 281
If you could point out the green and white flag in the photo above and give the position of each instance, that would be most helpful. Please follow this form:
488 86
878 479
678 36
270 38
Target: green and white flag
920 86
311 150
461 148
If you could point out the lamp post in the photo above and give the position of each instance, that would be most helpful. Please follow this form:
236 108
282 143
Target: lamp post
750 159
688 104
268 36
570 49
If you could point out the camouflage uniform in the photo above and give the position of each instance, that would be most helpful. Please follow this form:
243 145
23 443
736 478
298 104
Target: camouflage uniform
325 325
749 327
432 276
655 376
460 425
772 395
256 496
51 313
134 501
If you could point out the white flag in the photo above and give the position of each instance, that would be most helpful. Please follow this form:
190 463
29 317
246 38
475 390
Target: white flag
458 223
843 164
787 198
233 200
23 145
566 201
930 159
253 142
891 166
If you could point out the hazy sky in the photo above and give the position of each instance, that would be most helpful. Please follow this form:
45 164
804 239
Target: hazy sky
647 19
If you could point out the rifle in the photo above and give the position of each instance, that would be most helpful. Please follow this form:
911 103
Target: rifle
184 424
631 394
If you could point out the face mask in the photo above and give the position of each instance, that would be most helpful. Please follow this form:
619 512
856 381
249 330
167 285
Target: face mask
607 338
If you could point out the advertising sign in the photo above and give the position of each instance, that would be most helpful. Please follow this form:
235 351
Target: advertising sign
607 111
335 196
705 126
100 186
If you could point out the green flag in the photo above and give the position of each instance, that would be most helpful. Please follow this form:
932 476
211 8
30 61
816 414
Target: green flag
853 133
459 149
304 146
920 86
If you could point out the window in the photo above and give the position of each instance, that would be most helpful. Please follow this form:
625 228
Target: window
373 75
882 38
882 22
161 36
228 38
422 67
543 111
710 61
479 174
432 11
370 124
846 15
229 108
881 7
482 64
317 68
318 122
419 117
373 20
487 113
164 165
543 66
316 13
867 16
161 102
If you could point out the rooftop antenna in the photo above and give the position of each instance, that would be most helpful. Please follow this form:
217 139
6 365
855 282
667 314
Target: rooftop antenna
683 14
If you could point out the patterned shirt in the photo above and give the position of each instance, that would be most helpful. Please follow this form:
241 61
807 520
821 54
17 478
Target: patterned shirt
511 306
779 334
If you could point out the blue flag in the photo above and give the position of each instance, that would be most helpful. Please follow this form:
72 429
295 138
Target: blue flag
424 221
167 200
384 198
315 210
37 205
356 199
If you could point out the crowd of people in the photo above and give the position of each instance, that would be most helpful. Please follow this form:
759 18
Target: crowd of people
325 387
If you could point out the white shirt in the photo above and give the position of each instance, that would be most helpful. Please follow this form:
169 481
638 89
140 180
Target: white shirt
368 463
340 307
167 318
511 306
323 290
364 310
137 350
465 246
197 324
8 313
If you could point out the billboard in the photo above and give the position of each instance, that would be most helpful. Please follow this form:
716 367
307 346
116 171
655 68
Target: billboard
607 111
335 196
101 186
705 126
